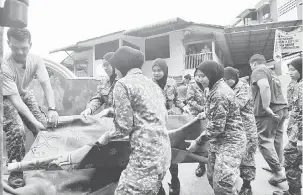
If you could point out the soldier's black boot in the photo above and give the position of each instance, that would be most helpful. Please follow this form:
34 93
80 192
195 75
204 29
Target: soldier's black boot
174 187
161 191
200 171
15 179
246 188
291 191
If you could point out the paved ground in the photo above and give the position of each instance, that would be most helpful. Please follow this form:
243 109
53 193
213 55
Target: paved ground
192 185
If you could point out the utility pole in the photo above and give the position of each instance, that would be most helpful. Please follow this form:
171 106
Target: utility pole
1 105
13 13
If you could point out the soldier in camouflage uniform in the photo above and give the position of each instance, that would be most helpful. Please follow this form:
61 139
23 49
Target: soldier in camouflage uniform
290 92
293 149
19 104
104 95
196 99
224 130
168 86
174 107
244 100
140 113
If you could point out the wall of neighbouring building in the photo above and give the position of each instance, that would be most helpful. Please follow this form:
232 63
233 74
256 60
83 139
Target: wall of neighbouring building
289 10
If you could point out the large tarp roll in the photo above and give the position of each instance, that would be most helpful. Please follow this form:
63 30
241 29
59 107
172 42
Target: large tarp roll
83 167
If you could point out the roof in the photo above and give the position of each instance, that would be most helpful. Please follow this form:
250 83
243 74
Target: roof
244 41
262 3
86 44
158 28
165 26
245 13
74 48
100 39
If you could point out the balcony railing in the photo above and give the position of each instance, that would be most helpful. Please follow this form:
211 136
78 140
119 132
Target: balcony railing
193 60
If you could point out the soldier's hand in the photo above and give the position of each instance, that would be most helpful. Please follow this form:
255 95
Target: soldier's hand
201 116
186 110
86 112
53 118
193 145
299 146
105 112
38 127
104 139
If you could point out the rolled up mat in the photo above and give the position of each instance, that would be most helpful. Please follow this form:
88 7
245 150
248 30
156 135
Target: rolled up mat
73 137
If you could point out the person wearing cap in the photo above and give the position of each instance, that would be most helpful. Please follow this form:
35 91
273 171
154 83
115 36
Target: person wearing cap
244 100
271 110
224 130
293 149
139 114
104 93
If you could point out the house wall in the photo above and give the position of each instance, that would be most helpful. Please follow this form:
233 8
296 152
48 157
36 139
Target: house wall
90 67
175 62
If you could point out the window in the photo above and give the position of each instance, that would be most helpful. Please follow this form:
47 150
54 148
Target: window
103 48
126 43
157 47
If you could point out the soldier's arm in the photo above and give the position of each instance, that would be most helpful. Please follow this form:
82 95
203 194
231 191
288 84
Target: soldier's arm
299 110
190 97
96 101
217 119
243 96
178 103
123 111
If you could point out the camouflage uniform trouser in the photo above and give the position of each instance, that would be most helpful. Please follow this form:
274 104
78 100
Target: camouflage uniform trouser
128 185
223 170
293 160
248 165
13 126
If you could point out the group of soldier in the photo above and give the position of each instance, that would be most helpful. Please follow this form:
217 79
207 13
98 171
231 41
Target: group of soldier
240 116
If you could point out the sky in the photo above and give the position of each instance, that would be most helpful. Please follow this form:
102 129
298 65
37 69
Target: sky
58 23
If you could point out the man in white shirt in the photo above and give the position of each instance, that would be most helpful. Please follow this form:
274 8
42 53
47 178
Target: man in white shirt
19 104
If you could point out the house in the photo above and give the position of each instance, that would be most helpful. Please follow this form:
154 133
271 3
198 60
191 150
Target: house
254 32
182 44
266 11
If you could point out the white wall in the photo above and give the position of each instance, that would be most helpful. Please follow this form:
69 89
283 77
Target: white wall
175 62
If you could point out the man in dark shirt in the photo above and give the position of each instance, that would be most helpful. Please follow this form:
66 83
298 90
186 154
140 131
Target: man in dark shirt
271 110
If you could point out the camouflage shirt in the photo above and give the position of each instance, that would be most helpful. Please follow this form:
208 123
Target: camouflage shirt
224 123
196 99
295 122
290 91
172 97
103 96
245 102
140 113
